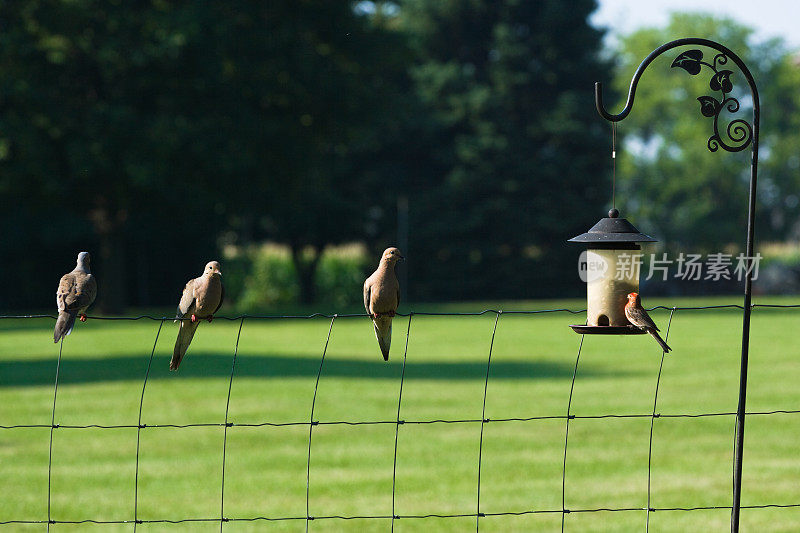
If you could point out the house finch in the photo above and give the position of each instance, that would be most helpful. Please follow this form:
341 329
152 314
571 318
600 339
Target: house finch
637 316
382 296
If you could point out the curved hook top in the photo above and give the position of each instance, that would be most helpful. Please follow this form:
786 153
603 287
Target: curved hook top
598 87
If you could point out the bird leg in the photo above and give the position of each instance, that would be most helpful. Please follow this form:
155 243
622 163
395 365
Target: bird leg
210 318
82 317
376 315
194 318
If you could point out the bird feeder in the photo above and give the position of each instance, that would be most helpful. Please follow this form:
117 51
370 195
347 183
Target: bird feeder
610 266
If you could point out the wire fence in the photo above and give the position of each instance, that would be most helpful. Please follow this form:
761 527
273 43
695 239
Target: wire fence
313 423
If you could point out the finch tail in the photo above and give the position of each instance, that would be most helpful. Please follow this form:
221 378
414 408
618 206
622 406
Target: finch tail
64 325
383 332
185 335
659 340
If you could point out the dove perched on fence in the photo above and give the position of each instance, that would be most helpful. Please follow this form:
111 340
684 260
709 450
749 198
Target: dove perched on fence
382 296
201 298
637 316
76 292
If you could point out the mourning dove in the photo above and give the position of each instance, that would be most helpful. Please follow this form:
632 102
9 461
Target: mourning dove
382 296
76 292
201 298
637 316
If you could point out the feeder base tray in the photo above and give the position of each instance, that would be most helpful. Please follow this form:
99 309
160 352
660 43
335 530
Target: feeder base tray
606 330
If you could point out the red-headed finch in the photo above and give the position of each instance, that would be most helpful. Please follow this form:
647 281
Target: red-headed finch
637 316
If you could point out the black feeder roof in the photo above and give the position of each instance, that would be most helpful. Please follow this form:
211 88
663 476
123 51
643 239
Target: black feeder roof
612 231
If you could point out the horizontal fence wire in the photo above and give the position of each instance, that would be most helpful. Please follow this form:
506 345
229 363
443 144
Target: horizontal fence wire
397 422
402 421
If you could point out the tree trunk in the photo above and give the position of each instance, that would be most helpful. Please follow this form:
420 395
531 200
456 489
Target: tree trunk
306 272
111 272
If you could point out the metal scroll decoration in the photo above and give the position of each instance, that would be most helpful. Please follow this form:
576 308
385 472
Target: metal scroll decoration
739 132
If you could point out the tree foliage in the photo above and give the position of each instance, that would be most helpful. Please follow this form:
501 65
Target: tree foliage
154 133
146 131
91 133
515 149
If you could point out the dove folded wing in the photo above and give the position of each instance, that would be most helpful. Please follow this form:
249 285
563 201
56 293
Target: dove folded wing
65 296
187 302
367 291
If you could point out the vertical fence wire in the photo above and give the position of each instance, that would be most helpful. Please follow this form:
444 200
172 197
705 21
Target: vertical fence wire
564 510
652 421
222 518
52 427
483 420
398 422
139 427
311 423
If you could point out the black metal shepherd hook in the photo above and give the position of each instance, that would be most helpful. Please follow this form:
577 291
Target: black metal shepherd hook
736 136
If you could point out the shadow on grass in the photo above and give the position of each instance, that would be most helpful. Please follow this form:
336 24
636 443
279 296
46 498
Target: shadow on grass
23 373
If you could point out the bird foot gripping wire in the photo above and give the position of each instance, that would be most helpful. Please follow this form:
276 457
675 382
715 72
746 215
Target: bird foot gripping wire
210 318
194 319
390 314
82 318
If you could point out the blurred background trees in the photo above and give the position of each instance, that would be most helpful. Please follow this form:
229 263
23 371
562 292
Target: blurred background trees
669 179
152 133
516 145
159 135
670 183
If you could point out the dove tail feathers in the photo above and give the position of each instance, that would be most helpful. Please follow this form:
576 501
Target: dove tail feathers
64 325
185 335
659 340
383 332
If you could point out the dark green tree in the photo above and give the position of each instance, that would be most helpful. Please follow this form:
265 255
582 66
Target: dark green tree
92 147
147 131
517 157
295 119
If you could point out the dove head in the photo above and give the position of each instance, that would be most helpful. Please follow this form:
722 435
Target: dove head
213 268
83 261
392 255
633 299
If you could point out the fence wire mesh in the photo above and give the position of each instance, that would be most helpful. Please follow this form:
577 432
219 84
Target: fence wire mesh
399 421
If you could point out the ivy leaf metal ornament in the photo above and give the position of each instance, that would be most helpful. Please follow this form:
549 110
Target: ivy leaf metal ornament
689 61
738 132
709 106
722 81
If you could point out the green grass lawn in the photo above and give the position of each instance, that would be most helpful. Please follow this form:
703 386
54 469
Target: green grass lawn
533 358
